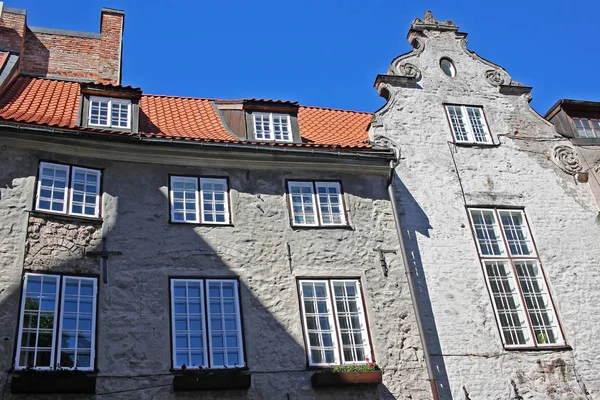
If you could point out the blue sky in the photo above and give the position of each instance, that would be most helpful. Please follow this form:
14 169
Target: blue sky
328 52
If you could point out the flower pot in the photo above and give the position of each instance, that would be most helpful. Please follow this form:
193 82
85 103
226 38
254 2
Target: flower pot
211 380
53 383
332 379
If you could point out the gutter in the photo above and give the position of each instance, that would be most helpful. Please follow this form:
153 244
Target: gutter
411 283
383 155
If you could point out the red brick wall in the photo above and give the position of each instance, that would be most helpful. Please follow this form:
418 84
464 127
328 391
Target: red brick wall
70 56
12 29
52 54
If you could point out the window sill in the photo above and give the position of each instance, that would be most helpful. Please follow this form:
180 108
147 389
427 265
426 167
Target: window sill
476 145
199 224
53 382
586 141
308 227
562 347
212 379
64 217
337 379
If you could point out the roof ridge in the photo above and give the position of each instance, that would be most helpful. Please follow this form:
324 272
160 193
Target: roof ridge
337 109
178 97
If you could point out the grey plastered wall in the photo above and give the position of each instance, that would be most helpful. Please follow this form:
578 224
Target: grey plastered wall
133 345
466 347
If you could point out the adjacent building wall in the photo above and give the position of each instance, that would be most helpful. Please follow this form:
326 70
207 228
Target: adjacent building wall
436 179
133 342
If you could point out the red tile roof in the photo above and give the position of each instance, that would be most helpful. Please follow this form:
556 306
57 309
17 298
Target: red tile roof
181 117
334 127
56 103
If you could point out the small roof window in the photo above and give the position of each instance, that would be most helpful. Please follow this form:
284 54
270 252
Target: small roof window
447 66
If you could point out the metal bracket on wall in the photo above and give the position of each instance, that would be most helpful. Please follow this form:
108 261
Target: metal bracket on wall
384 265
104 253
289 256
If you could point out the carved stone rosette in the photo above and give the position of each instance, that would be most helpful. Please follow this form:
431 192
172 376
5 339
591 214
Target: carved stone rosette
494 77
566 159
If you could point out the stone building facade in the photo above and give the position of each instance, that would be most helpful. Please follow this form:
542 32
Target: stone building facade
138 243
498 222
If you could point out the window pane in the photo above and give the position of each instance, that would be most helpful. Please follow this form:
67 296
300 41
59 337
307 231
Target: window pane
189 336
330 200
52 186
596 127
538 303
262 126
584 128
517 233
120 113
319 322
351 321
302 203
85 193
507 302
98 112
184 199
457 122
224 324
487 232
478 125
281 127
77 322
214 200
37 331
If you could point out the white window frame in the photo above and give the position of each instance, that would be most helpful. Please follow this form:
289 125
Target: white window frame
58 323
333 322
110 101
199 200
97 195
316 203
68 197
506 256
184 179
469 128
206 323
271 134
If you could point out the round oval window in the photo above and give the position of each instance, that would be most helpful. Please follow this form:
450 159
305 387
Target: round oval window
448 67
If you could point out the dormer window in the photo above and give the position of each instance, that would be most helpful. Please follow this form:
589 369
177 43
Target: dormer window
272 126
109 112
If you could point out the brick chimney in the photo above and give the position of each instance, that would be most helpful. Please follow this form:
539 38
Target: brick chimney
111 47
59 53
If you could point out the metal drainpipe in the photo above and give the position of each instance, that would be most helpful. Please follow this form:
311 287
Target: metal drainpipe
411 284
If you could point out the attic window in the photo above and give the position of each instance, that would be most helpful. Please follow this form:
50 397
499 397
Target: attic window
109 112
272 126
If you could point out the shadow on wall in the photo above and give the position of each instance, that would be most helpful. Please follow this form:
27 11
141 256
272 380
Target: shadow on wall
133 343
414 220
36 58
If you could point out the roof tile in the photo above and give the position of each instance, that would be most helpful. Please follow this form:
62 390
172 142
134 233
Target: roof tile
56 103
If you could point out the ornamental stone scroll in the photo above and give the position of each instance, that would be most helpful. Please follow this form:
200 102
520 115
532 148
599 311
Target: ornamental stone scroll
494 77
407 70
566 159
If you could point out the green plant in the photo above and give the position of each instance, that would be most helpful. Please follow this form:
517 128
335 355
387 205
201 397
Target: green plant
369 366
542 338
598 218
